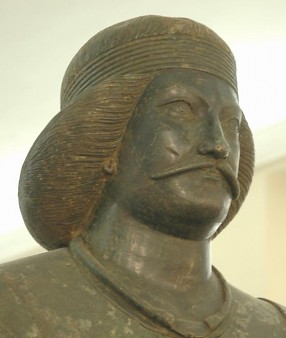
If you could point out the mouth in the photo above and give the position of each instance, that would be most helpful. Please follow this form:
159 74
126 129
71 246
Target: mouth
226 171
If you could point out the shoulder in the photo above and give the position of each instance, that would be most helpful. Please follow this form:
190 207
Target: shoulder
257 317
39 296
48 295
22 280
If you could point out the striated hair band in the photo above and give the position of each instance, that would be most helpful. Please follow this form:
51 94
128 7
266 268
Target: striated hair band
139 47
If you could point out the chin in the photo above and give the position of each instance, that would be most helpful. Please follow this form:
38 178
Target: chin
195 222
191 218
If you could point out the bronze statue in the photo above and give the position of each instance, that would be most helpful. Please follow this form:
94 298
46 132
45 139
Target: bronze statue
148 160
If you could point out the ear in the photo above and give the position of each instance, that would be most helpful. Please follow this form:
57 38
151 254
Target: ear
109 166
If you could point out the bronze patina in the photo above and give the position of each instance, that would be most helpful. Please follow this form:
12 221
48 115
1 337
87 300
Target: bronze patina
148 160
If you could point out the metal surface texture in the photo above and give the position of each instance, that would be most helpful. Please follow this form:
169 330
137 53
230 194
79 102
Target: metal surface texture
148 160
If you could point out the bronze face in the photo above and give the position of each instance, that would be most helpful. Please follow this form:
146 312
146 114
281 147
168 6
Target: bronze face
179 162
64 175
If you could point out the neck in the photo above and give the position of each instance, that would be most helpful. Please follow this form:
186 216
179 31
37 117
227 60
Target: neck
143 252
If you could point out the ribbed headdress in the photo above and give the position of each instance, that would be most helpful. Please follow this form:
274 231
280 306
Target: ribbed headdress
148 44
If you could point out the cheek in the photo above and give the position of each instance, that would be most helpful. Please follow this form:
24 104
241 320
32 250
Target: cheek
166 147
234 155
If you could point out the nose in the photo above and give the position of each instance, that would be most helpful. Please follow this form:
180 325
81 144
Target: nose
214 143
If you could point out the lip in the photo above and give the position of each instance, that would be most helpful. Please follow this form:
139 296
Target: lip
224 168
180 169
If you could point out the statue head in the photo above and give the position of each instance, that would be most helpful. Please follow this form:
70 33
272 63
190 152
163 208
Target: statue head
67 168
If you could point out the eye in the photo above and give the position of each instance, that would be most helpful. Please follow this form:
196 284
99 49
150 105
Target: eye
179 109
232 125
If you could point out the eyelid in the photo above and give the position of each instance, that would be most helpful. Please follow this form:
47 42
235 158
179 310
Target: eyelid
231 112
233 118
164 103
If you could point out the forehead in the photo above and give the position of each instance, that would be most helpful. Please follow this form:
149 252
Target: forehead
186 82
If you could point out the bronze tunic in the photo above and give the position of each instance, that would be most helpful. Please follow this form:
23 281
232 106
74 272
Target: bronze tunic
58 295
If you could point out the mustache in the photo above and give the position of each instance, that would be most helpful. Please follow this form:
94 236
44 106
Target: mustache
224 168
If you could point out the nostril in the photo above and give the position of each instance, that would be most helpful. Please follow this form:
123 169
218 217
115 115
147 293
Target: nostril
221 150
218 150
